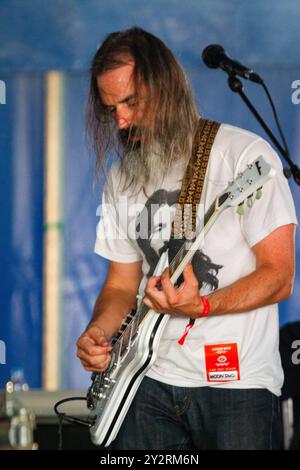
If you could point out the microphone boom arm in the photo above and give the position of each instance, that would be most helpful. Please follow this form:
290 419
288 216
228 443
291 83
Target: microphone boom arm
236 86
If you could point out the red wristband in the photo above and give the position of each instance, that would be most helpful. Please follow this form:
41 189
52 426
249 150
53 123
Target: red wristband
205 313
206 307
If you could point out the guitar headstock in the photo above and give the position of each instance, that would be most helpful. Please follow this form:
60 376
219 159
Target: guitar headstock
247 183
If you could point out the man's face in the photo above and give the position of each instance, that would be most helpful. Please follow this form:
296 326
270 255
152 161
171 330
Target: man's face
117 92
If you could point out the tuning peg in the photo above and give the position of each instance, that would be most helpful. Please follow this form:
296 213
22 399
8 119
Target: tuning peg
259 193
240 210
250 201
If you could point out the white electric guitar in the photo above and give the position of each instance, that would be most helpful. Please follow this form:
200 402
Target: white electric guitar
134 348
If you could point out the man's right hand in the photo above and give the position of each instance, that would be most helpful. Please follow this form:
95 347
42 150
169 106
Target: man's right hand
93 349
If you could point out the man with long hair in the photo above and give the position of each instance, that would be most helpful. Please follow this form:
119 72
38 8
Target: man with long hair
141 111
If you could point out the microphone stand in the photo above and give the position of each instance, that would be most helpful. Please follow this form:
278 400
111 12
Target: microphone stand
236 86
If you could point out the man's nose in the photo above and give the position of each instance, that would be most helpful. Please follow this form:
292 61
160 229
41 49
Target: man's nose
123 117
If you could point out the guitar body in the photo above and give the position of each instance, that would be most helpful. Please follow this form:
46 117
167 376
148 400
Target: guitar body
114 405
118 385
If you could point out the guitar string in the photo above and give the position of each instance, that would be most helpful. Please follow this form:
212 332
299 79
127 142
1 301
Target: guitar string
143 309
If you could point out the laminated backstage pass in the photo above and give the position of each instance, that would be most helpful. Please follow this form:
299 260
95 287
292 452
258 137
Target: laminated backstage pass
222 362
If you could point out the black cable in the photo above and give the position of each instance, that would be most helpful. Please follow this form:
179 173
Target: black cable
71 419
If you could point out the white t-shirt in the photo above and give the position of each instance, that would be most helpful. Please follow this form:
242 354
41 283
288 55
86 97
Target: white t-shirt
232 350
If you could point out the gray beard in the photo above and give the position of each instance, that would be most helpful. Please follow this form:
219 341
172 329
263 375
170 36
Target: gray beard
141 169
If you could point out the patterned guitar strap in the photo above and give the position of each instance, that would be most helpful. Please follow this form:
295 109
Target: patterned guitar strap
184 224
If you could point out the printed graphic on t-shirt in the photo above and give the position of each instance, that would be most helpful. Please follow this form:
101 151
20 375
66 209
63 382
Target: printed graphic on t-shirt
149 225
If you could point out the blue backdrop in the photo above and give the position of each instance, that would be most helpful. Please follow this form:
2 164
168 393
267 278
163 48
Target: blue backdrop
37 36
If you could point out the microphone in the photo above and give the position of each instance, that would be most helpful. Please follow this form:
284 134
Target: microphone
215 56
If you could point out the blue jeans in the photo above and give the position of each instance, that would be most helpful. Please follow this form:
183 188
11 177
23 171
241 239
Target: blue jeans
166 417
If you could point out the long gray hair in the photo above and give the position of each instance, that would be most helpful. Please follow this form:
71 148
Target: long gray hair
171 113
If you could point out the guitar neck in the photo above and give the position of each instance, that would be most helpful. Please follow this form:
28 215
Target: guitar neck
187 251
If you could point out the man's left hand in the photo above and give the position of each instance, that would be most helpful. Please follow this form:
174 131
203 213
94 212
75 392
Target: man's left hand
162 297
